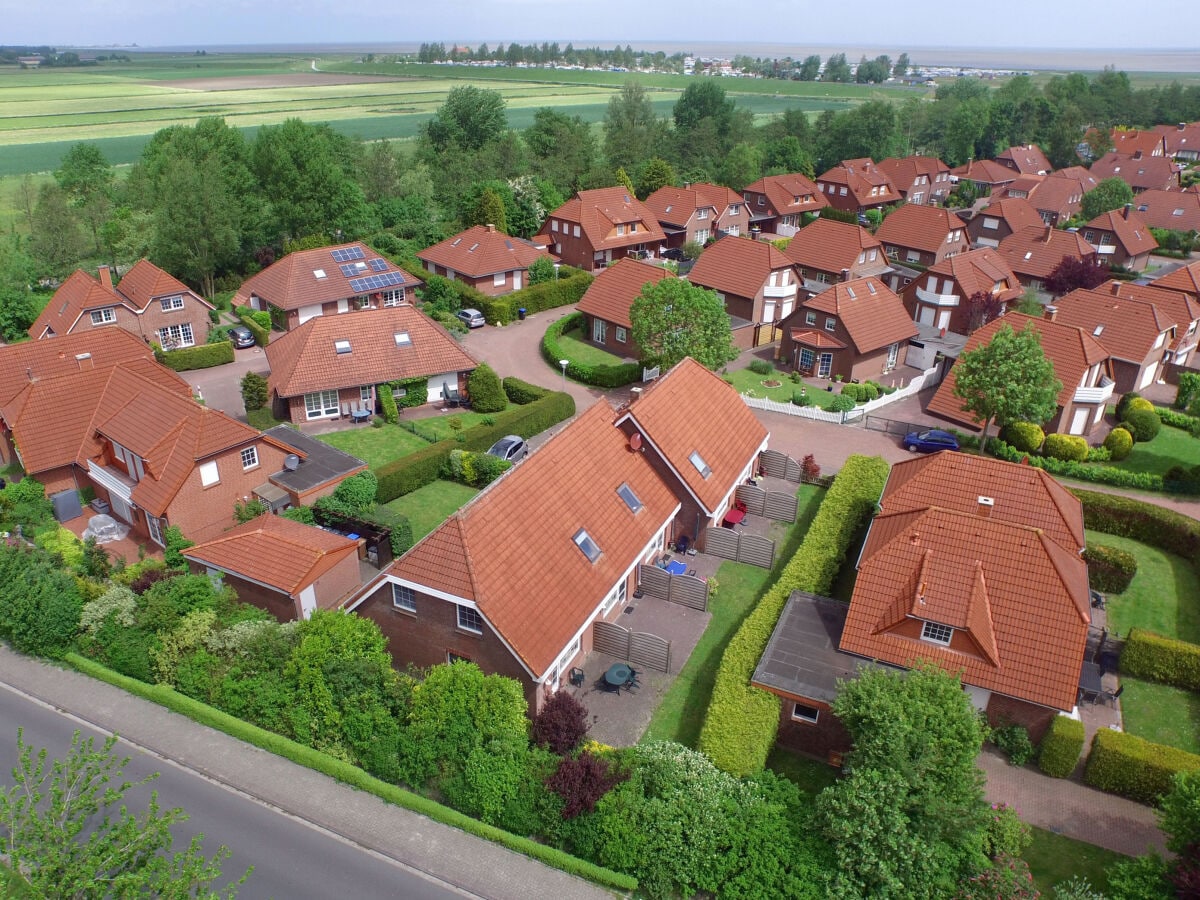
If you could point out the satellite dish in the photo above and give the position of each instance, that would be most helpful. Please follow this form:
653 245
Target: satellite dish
635 441
291 462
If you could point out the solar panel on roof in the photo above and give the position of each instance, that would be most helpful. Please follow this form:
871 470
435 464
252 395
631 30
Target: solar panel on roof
352 269
372 282
345 254
379 264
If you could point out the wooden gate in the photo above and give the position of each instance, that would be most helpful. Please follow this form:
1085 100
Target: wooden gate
778 505
642 650
740 547
686 590
779 465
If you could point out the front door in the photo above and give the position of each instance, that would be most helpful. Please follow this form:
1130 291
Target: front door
599 330
826 365
1079 421
893 355
516 279
121 508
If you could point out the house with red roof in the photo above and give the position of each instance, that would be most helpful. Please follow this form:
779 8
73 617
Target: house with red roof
1121 238
1172 210
596 228
1081 363
987 175
1185 278
1128 141
285 567
999 219
1027 159
695 213
606 303
1056 197
1033 253
941 296
858 329
757 283
777 203
600 498
856 185
1140 171
826 252
327 281
1181 141
972 564
147 302
333 365
922 234
488 260
920 180
1180 306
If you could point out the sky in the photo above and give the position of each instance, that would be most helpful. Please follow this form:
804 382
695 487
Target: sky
898 24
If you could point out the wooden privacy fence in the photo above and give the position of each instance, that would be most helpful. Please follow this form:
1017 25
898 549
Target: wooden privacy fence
638 648
779 465
778 505
686 590
740 547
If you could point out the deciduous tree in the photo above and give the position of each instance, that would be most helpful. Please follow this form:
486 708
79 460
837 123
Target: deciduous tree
632 131
469 119
1109 194
673 319
56 241
1073 273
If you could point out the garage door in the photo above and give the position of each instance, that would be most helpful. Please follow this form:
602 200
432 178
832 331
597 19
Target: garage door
1148 377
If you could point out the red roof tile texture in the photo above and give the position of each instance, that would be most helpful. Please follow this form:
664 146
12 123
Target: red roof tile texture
831 246
1016 211
612 293
904 170
482 250
1186 279
600 211
312 277
860 177
738 266
675 206
1173 210
1128 228
1160 173
146 282
980 271
1035 251
872 314
1127 328
80 293
920 227
1027 159
985 171
67 354
787 194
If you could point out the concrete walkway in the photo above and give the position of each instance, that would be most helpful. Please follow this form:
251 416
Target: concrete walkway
459 859
1066 807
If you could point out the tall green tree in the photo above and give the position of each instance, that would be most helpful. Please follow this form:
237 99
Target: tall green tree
490 210
707 123
809 69
56 242
673 319
87 178
18 309
562 147
656 173
742 165
837 69
380 172
632 131
1109 194
197 233
900 69
1008 379
469 119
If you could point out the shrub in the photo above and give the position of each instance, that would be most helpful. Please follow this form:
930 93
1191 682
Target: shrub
1061 747
474 469
1181 480
174 544
1123 403
1109 569
254 391
560 724
1005 834
1163 659
1147 481
809 469
391 413
605 376
582 781
357 493
1143 424
252 320
1189 390
483 387
1069 447
202 356
1014 741
761 367
1025 436
40 603
1124 764
868 391
1182 421
851 390
302 514
522 392
739 726
842 403
1118 443
1137 403
61 544
1141 521
801 398
566 290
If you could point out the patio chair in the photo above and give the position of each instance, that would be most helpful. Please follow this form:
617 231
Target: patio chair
602 684
577 675
682 544
449 394
345 410
1110 698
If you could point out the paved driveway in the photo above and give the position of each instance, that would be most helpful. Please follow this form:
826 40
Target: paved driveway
221 386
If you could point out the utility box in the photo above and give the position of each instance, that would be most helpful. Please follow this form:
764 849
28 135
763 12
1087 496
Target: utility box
66 505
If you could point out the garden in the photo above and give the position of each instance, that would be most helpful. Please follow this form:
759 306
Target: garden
763 380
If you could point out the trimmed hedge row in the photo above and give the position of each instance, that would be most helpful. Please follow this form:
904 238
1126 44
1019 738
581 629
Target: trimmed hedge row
348 774
405 475
1133 767
522 392
1109 569
600 376
1141 521
1162 659
202 356
566 290
1179 420
1146 481
739 727
262 336
1061 747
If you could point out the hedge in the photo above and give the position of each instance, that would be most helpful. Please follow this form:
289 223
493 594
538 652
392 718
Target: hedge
739 727
405 475
1109 569
566 290
1141 521
1061 747
601 376
348 774
1133 767
262 336
522 392
1162 659
1066 447
202 356
1146 481
1176 419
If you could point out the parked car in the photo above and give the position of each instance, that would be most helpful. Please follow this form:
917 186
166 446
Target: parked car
930 441
511 447
242 337
472 318
674 253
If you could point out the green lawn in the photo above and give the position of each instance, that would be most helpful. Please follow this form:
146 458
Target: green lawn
428 507
751 383
439 428
1172 447
1161 713
374 446
1164 596
681 713
1053 858
577 350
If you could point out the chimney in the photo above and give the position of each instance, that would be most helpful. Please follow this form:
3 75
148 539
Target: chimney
1050 312
1128 209
106 277
985 506
491 228
635 394
845 274
1115 288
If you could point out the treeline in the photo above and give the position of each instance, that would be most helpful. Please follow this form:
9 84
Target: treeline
550 53
836 69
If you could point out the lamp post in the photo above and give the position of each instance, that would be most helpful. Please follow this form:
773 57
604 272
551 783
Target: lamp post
557 266
564 363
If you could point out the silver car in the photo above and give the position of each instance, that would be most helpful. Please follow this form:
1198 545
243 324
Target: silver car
511 447
472 318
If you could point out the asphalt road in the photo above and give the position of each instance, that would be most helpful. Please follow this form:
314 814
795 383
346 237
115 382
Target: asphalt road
291 859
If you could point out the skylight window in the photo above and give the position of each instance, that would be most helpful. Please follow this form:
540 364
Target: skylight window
456 242
473 248
698 461
403 339
625 492
585 543
871 286
1029 254
341 346
1099 329
318 273
850 291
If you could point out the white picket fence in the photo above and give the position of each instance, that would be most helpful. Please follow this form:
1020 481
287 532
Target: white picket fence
841 418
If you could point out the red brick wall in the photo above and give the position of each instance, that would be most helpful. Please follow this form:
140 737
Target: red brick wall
153 318
1002 710
820 739
485 284
628 349
204 512
281 606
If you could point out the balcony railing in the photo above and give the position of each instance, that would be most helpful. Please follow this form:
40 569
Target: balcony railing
927 296
1098 394
780 291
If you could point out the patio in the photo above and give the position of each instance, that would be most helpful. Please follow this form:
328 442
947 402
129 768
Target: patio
130 548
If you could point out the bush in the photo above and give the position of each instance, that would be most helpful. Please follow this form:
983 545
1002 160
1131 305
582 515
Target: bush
522 392
40 603
761 367
1123 403
842 403
560 724
1181 480
739 726
1182 421
202 356
391 413
474 469
1141 521
483 387
1068 447
1014 741
1118 443
801 398
1061 747
252 319
1025 436
1146 481
1135 404
1189 390
868 391
1143 424
1162 659
174 544
851 390
1109 569
1123 764
567 290
605 376
254 391
582 782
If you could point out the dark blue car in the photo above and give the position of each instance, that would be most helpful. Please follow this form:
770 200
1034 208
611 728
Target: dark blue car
930 441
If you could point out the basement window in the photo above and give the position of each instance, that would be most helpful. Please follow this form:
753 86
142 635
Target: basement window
802 712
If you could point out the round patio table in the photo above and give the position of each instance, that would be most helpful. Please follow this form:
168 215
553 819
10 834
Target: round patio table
618 674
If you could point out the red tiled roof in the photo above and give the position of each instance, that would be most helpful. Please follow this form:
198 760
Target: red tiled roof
903 171
788 194
675 206
1126 328
1035 251
537 592
305 359
818 340
600 211
872 314
691 410
1177 306
91 351
1186 279
1058 194
919 227
280 553
146 282
1017 212
80 293
860 177
1131 140
482 250
1128 228
832 246
1072 350
1180 138
738 266
1147 173
1173 210
309 277
978 271
984 171
1027 159
1080 174
613 291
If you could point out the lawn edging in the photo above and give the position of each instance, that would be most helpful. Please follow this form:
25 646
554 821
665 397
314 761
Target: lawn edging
348 774
600 376
740 725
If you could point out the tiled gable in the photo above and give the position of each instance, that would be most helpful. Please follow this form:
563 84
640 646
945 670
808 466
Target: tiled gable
738 266
606 216
312 277
613 291
77 296
482 250
789 194
1036 251
871 313
920 228
1127 328
831 246
1127 228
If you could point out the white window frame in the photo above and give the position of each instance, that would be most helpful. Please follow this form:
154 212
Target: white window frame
798 716
936 633
170 304
156 526
106 316
393 298
209 474
179 335
321 405
807 358
621 335
404 598
499 278
469 619
810 318
364 393
249 457
831 324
